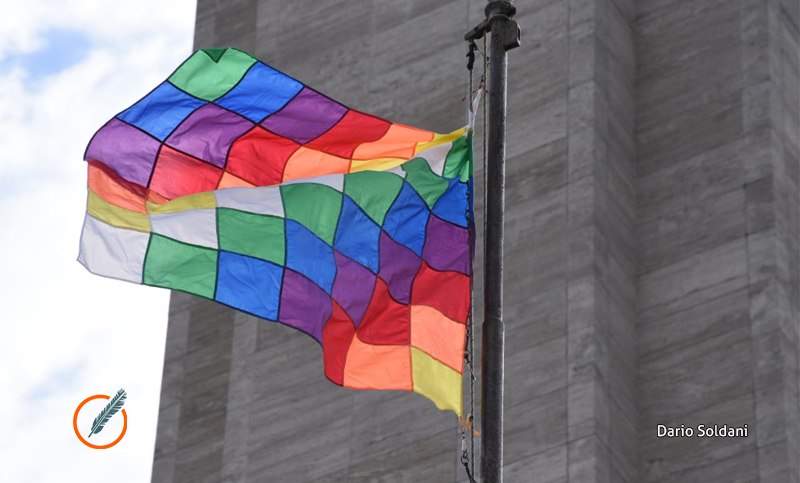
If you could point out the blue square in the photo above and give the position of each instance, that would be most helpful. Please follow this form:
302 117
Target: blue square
452 205
249 284
407 219
261 92
357 236
160 112
307 254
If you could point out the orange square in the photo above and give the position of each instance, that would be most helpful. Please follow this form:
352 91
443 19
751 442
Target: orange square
399 142
115 190
308 163
378 366
438 336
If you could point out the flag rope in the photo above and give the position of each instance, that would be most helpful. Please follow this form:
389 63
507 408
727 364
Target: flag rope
467 458
467 422
484 161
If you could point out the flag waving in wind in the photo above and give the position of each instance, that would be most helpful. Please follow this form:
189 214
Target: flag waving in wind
234 182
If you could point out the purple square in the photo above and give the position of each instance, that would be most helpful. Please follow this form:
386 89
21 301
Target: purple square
399 266
208 133
304 305
446 246
353 287
125 149
305 117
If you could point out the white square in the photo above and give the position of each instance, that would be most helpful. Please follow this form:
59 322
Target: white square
195 227
264 200
113 252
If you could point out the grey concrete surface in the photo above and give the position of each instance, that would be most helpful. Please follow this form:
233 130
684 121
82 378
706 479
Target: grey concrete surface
652 251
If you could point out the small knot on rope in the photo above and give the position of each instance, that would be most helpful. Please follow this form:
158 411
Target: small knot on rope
471 55
466 423
465 460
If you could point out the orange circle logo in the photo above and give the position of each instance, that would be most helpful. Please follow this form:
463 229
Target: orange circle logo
96 446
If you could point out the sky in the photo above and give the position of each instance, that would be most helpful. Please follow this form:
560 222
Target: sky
66 67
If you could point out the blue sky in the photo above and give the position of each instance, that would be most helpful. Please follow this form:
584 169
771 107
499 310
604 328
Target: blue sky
66 67
61 50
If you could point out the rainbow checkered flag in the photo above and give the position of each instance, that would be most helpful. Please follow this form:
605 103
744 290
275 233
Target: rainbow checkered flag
237 183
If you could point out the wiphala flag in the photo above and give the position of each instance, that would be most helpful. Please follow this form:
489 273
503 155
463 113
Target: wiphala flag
235 182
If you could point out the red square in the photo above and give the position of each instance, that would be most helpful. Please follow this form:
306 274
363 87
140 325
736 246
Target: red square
447 292
260 156
354 129
386 322
337 335
177 174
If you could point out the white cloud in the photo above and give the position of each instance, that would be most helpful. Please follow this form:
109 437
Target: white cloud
117 23
67 334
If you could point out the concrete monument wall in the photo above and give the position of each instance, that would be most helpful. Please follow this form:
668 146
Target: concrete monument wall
653 238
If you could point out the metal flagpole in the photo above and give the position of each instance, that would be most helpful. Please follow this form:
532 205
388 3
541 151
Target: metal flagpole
505 36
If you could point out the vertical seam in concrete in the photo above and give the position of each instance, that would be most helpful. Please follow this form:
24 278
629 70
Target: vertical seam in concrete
175 327
747 246
566 241
752 334
237 414
794 344
797 363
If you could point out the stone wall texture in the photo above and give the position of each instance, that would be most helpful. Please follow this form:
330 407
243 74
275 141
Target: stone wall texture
652 250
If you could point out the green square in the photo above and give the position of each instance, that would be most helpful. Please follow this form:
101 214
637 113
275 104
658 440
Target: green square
428 184
203 77
259 236
315 206
373 191
459 160
179 266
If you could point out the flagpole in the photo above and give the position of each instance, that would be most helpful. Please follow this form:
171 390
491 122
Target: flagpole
505 35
